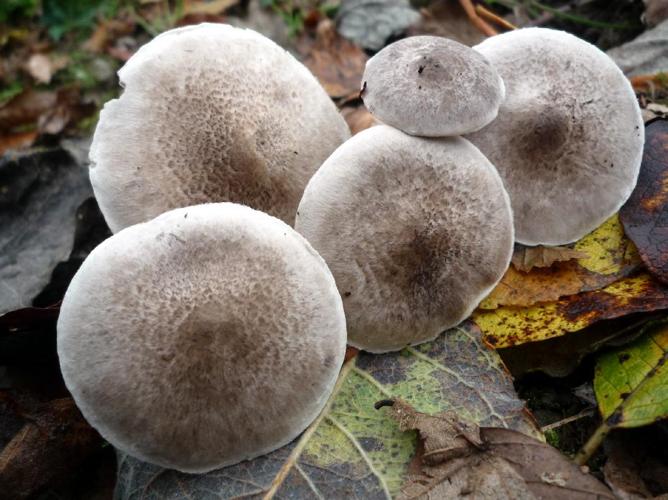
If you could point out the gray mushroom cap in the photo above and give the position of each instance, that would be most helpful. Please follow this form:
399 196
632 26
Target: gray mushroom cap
415 231
432 86
211 113
568 139
209 335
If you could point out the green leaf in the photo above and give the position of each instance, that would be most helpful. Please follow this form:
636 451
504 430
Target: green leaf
631 383
353 450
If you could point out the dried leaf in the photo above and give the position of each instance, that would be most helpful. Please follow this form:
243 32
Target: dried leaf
631 383
449 20
337 63
509 326
38 201
42 67
370 23
26 108
352 450
526 258
17 141
610 255
213 7
358 118
644 214
462 460
656 11
53 441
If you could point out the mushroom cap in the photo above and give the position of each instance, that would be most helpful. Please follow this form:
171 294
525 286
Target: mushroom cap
209 335
568 139
415 231
211 113
432 86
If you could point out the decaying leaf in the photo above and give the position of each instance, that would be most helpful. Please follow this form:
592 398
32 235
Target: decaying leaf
635 468
358 118
370 23
51 442
610 255
631 383
337 63
460 459
509 326
645 214
40 193
526 258
353 450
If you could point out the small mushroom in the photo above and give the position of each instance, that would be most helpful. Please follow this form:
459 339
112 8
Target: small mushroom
432 86
568 139
209 335
415 231
211 113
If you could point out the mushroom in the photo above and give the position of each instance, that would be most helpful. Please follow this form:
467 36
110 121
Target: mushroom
568 139
211 113
431 86
416 232
209 335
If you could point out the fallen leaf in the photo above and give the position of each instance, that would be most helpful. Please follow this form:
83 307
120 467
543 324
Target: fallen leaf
198 7
358 118
631 383
653 111
370 23
40 192
446 19
352 450
635 467
645 55
42 67
644 215
26 108
510 326
526 258
337 63
460 459
52 442
560 356
655 11
610 255
17 140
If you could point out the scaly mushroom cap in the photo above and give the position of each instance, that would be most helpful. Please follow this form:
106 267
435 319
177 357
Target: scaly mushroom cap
211 113
209 335
415 231
432 86
569 137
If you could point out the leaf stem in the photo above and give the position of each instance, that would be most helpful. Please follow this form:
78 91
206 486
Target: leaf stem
592 444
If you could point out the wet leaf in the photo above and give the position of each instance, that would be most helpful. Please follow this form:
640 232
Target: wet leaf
337 63
39 195
460 459
526 258
645 214
370 23
353 450
631 383
509 326
610 255
50 443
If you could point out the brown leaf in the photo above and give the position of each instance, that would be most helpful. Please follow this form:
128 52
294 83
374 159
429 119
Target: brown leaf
463 460
358 118
526 258
42 67
26 108
336 62
198 7
17 140
645 213
610 255
52 442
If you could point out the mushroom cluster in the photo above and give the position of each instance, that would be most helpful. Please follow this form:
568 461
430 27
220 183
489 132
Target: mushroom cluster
415 224
205 332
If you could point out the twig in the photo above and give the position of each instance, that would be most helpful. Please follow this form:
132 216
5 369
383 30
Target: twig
492 17
568 420
592 444
476 20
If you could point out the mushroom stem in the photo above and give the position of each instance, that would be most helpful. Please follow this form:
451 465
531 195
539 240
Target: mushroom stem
494 18
476 20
